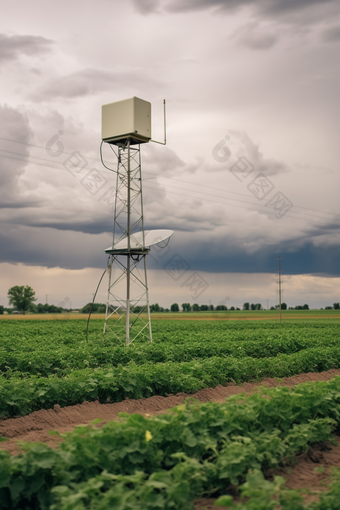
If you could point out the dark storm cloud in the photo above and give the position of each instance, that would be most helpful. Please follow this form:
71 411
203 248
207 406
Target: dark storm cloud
97 226
270 8
332 34
51 248
290 11
71 250
216 257
14 126
255 37
12 46
145 6
327 230
89 82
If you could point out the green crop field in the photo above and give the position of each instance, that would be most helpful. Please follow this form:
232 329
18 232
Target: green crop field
209 315
165 462
43 363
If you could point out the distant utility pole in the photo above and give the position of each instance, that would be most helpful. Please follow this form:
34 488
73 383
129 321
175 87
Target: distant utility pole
280 291
46 297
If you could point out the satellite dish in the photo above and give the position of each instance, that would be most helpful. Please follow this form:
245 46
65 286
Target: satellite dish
151 237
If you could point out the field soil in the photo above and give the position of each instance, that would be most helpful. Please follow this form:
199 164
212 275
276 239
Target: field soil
35 427
301 474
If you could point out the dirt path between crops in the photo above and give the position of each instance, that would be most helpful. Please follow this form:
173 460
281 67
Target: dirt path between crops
302 475
36 426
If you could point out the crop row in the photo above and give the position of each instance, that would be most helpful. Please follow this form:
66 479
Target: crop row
258 493
166 461
19 396
33 335
60 359
63 361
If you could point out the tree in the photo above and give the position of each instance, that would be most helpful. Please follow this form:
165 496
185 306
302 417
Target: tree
245 306
283 306
1 310
211 307
186 307
86 309
204 308
304 307
174 307
21 297
195 307
221 307
252 307
232 308
336 306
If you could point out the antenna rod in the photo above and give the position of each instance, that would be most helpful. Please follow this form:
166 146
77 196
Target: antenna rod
164 114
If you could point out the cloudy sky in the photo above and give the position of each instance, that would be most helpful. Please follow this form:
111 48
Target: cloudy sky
251 168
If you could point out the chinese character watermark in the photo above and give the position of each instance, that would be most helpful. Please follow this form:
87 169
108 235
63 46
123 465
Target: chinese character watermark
260 187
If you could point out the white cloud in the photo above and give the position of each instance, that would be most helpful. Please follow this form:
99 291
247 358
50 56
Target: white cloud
280 108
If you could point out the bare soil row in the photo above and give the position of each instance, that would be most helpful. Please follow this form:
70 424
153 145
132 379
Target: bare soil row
35 427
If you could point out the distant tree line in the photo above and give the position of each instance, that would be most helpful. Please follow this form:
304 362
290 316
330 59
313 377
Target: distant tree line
97 308
299 307
187 307
22 300
46 308
336 306
256 306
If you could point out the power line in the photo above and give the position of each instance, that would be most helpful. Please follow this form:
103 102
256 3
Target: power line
241 201
252 204
40 147
166 186
169 178
242 194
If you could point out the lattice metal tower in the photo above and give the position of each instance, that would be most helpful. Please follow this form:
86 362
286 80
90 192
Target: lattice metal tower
127 124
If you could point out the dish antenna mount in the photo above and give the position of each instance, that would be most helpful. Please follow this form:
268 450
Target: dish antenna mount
125 126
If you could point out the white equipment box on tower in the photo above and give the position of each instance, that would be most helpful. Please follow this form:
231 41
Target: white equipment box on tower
127 118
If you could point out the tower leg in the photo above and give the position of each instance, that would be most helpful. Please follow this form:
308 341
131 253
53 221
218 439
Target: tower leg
108 300
128 301
147 298
127 309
